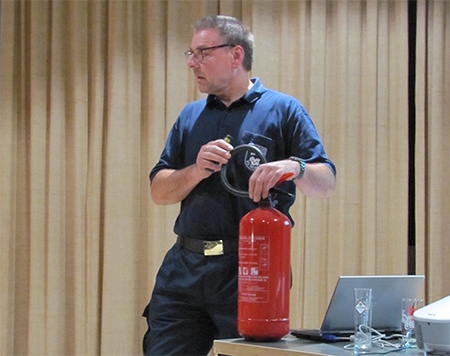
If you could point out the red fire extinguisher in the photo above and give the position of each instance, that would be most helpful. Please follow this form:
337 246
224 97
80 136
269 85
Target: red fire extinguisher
264 274
264 268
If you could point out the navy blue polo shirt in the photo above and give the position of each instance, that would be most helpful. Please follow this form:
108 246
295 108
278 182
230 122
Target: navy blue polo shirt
274 122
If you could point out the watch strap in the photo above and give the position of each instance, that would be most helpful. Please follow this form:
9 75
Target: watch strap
302 166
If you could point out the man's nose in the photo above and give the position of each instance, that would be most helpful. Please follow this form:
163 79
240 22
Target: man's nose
192 63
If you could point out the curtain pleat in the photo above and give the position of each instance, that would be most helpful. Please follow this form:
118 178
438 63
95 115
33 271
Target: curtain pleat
432 145
342 60
88 93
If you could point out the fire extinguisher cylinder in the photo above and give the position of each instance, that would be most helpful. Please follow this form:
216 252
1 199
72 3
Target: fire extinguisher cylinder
264 274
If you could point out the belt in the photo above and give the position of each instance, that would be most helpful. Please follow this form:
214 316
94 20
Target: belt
209 247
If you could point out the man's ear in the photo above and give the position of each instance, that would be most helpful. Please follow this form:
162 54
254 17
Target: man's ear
238 55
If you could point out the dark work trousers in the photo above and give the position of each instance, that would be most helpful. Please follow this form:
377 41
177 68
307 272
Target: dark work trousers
194 302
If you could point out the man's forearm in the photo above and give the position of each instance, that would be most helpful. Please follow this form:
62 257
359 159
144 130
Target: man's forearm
317 182
170 186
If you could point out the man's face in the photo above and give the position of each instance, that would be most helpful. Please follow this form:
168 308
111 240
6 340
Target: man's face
213 73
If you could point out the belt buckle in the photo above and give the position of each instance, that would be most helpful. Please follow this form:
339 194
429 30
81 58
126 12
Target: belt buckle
213 248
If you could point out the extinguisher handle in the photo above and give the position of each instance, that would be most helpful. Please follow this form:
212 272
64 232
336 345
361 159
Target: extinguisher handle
285 176
281 191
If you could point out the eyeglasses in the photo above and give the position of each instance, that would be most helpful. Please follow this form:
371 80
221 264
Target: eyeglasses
198 54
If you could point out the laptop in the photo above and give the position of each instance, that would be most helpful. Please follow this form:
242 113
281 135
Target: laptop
387 295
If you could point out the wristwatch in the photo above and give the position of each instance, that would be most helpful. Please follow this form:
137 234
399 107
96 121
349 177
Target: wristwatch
302 166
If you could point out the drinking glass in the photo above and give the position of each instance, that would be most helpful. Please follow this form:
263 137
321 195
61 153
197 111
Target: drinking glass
363 320
409 306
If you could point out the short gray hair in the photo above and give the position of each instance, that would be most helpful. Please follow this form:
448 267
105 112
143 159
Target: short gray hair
233 31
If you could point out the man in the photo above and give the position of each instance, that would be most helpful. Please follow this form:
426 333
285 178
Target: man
195 296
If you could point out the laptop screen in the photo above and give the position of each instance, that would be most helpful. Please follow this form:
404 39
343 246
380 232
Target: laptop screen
387 295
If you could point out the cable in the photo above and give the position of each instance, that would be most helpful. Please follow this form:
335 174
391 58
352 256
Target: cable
383 352
333 338
380 340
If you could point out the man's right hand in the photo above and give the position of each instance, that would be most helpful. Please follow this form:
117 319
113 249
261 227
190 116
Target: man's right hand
170 186
212 156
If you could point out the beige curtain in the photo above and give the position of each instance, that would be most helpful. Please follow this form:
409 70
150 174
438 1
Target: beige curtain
88 93
345 60
433 146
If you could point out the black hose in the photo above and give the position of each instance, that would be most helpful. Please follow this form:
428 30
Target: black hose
223 171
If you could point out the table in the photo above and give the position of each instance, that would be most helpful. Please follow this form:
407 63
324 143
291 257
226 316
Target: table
291 346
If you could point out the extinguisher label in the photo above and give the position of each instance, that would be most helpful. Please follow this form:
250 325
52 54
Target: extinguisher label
254 256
